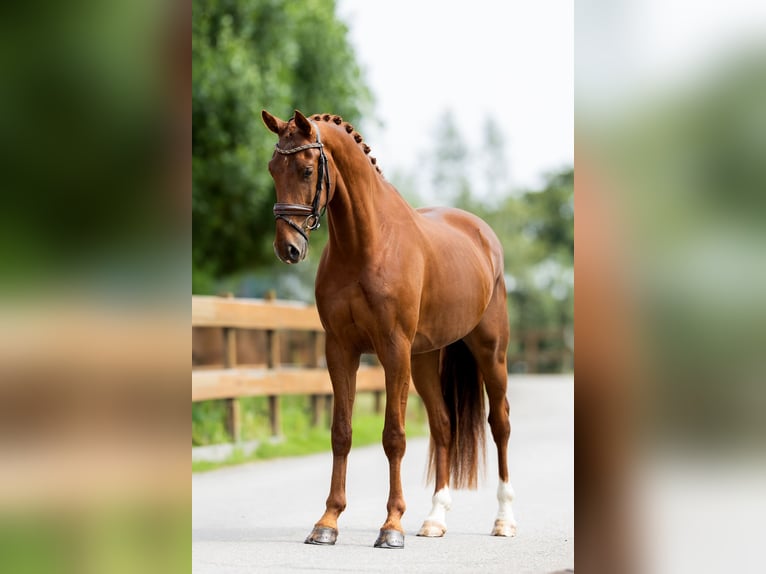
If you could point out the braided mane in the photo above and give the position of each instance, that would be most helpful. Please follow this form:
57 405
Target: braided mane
349 129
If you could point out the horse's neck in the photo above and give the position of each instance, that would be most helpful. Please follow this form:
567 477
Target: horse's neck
361 205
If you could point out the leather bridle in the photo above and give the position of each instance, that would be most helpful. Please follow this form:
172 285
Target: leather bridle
312 212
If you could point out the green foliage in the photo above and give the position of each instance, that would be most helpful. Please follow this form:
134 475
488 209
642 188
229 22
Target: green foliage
685 174
84 112
108 535
248 55
208 423
537 232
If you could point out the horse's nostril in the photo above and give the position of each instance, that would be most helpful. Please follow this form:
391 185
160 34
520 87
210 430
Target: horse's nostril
293 252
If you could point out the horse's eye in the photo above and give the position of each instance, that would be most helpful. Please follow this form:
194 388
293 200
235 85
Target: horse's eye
307 172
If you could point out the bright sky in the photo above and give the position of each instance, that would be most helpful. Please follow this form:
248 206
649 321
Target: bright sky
629 48
512 60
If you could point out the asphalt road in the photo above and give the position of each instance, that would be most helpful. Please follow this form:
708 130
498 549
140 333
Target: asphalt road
254 518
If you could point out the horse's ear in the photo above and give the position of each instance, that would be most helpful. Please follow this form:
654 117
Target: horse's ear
273 123
302 123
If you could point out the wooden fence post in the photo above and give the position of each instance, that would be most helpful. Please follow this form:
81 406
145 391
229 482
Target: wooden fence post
378 395
272 362
316 346
328 405
233 416
272 338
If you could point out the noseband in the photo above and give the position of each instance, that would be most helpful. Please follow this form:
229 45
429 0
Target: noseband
312 212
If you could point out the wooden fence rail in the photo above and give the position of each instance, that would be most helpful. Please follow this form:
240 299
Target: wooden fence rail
274 317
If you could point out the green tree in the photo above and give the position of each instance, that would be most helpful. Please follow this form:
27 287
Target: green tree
545 293
537 232
248 55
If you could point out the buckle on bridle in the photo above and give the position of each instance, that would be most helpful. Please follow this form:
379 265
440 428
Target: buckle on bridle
312 222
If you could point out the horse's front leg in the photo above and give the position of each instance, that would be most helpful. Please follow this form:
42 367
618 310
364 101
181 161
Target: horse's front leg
395 359
343 365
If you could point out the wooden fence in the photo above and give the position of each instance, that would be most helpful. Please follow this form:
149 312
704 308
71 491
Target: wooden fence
275 318
542 351
533 351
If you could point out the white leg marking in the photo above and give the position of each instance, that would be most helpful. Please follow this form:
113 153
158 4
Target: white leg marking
505 524
435 523
442 502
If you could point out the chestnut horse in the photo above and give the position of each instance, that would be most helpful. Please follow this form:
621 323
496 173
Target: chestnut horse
423 289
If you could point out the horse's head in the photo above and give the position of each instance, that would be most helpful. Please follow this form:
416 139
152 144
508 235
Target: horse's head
302 180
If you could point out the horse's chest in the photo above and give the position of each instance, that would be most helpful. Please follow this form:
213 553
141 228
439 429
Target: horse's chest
358 311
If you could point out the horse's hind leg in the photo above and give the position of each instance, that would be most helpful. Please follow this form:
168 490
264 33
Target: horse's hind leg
505 523
425 375
489 342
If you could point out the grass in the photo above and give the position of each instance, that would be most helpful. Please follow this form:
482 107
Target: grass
103 535
299 437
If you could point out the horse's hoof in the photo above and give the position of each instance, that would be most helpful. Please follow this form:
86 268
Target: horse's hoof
390 539
323 535
504 528
432 529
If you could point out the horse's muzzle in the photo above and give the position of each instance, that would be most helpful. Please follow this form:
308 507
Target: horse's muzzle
290 252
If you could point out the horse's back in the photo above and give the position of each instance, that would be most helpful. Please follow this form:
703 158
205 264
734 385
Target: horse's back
440 225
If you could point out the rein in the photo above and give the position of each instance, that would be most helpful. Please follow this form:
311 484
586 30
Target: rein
312 212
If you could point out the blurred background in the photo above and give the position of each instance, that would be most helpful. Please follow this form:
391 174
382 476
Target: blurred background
94 275
670 261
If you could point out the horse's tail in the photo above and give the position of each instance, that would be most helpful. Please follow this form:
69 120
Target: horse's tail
463 391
